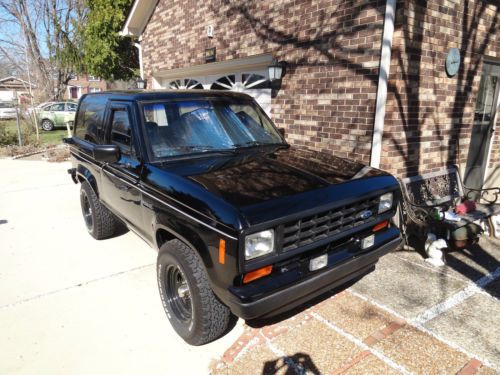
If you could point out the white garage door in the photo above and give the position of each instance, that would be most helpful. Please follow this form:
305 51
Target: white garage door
254 83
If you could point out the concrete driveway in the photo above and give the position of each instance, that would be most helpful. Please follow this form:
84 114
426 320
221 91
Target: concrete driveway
73 305
406 317
70 304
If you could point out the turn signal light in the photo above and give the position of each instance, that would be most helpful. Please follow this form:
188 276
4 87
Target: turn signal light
257 274
380 226
222 251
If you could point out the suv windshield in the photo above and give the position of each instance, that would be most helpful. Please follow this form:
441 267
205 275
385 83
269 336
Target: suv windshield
196 126
6 105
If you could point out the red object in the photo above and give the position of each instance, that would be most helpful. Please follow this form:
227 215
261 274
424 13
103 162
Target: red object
464 207
380 226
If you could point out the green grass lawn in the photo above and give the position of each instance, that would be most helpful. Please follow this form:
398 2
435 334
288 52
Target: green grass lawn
53 137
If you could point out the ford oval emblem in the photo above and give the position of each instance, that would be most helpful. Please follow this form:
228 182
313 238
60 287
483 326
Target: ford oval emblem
365 214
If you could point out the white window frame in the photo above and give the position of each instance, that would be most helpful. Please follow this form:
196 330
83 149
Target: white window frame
78 92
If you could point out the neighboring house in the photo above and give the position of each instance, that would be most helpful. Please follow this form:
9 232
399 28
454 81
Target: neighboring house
14 89
84 84
402 108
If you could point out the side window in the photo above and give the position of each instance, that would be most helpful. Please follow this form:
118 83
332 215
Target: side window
121 132
89 119
59 107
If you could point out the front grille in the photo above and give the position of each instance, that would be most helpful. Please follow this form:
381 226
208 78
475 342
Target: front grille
325 224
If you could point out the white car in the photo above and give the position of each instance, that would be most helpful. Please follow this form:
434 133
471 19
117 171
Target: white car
7 111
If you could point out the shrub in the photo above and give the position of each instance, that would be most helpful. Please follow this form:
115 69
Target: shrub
7 137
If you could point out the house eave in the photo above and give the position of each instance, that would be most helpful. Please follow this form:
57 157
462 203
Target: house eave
138 18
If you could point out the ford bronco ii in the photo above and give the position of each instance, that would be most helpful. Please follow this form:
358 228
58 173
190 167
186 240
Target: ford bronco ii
244 223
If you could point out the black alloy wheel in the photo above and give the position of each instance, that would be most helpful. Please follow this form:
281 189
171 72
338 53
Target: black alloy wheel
87 211
178 293
194 311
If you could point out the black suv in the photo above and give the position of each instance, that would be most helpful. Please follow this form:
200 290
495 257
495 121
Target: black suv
244 223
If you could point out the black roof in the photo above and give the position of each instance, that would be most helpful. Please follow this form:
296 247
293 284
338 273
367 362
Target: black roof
169 94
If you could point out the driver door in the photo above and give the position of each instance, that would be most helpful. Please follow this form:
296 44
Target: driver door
120 180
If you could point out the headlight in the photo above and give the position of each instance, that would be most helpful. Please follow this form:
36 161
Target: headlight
385 203
259 244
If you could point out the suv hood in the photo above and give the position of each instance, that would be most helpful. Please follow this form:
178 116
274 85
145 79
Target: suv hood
268 186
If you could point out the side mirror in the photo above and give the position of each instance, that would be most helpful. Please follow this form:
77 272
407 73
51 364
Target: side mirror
282 132
106 153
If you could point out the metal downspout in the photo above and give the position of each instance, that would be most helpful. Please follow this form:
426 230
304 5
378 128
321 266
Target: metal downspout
385 64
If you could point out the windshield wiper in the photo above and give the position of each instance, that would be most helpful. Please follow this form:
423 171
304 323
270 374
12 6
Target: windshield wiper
251 144
199 148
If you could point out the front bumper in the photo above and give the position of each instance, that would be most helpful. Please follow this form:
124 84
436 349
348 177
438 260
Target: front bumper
248 302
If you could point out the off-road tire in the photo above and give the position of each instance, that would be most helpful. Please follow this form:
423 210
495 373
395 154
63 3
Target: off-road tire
210 318
104 223
47 125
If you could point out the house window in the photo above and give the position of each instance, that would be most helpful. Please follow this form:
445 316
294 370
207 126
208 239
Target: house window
94 78
73 77
94 89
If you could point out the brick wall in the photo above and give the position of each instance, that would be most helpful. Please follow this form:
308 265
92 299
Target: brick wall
332 49
429 115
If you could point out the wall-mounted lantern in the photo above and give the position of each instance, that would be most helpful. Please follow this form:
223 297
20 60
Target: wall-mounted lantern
141 83
275 71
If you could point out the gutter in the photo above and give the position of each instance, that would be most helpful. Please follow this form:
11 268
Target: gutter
385 64
141 67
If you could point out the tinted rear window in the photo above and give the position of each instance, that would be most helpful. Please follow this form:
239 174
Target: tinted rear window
89 119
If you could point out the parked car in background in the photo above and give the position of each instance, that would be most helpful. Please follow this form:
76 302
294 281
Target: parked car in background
7 111
56 114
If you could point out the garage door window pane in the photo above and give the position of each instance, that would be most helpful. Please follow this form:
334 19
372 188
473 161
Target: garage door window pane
254 81
185 84
224 83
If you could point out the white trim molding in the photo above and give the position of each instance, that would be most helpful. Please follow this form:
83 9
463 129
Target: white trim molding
138 17
383 77
250 63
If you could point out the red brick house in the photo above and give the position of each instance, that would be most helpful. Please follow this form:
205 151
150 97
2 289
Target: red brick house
83 84
364 79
